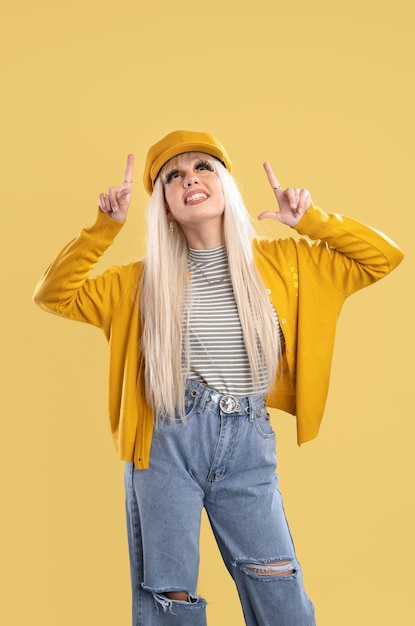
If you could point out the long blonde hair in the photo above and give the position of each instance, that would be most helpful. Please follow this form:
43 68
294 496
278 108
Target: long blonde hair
165 308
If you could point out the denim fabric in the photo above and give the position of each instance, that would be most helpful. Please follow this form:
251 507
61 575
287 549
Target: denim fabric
226 463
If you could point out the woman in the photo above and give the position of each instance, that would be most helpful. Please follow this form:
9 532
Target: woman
212 327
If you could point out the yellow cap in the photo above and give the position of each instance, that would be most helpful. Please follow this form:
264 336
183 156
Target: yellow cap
176 143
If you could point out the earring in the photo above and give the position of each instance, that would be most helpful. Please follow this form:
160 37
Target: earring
171 227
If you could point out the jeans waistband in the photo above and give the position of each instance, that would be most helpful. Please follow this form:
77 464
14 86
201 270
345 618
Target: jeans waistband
226 402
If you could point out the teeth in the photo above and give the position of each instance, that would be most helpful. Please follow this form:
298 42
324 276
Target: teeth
196 196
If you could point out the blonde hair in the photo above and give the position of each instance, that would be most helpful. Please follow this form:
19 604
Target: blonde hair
165 301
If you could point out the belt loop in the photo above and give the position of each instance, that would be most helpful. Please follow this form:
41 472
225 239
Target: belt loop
203 399
251 409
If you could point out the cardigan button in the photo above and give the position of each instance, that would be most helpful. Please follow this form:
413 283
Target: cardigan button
283 321
269 291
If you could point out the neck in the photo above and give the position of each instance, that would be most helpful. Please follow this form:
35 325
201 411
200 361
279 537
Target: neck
204 239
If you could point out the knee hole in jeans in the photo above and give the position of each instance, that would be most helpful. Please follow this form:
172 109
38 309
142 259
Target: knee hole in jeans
274 569
183 596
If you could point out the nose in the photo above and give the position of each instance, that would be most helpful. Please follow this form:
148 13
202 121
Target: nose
189 180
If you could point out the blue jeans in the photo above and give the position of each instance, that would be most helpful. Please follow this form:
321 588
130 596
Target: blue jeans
221 458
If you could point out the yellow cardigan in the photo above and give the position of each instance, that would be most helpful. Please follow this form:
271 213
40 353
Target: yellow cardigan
307 282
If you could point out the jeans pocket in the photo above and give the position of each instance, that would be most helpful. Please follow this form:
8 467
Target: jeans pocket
190 404
263 424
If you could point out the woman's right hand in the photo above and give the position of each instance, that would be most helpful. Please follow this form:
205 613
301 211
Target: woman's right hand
116 202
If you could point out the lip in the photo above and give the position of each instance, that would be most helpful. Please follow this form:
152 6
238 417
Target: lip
200 195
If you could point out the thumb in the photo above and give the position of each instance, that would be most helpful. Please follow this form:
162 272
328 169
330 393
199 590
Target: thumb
124 191
271 215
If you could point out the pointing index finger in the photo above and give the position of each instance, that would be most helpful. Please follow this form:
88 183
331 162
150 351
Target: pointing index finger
273 180
128 174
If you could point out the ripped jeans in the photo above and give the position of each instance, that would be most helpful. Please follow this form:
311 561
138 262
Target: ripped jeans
221 458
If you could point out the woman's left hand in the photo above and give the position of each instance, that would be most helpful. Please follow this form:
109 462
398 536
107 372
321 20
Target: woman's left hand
292 203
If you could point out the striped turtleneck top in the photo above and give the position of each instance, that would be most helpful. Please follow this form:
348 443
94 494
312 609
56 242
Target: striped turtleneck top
218 356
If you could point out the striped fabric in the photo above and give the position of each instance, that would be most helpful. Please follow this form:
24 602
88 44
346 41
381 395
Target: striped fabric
218 356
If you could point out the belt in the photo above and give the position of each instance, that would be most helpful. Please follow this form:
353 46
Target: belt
228 403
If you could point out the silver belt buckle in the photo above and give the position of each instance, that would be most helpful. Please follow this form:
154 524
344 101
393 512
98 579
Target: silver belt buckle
228 404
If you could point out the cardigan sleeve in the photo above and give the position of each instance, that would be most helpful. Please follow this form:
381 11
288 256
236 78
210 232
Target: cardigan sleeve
308 282
65 289
346 252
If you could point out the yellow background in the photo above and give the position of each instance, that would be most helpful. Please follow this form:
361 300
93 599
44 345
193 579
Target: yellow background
324 91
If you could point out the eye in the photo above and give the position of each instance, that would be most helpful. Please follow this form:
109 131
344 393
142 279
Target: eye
171 176
204 165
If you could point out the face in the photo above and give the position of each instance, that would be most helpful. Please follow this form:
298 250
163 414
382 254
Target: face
193 192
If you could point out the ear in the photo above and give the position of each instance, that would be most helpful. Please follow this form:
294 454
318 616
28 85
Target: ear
168 212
